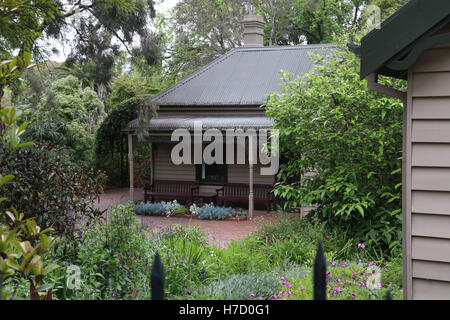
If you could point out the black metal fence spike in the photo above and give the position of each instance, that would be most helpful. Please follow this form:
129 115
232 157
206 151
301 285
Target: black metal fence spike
389 295
157 279
320 269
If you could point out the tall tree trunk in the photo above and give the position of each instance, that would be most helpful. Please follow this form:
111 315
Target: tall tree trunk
2 125
101 92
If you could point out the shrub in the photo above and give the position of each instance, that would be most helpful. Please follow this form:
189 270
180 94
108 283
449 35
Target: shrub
115 259
181 210
240 287
150 209
23 243
52 189
171 207
212 213
307 231
352 281
331 124
159 208
184 254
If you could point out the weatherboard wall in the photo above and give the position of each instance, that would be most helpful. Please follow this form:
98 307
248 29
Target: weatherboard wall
427 149
164 169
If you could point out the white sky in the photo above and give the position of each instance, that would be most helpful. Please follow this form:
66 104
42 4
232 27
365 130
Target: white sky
161 7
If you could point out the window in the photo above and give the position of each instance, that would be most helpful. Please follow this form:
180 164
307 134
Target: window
211 173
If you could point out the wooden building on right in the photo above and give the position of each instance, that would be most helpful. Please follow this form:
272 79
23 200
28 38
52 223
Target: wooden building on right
414 44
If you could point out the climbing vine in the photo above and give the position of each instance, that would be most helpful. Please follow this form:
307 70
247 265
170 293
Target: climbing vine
111 142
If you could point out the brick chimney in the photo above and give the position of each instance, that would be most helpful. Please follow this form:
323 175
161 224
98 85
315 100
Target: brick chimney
253 30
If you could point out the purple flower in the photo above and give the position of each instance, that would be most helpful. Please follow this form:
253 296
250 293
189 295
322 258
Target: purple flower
379 285
338 280
289 285
252 295
355 273
273 297
53 261
338 290
191 265
354 295
260 298
371 263
329 275
334 263
344 264
302 288
361 245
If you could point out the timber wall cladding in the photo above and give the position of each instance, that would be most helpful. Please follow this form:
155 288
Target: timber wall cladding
166 170
428 165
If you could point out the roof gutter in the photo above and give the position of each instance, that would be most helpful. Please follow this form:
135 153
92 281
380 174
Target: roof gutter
372 84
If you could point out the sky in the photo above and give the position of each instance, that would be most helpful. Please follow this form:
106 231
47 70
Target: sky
161 6
166 5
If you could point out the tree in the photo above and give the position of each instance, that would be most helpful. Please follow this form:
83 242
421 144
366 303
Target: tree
78 108
388 7
349 137
203 31
24 23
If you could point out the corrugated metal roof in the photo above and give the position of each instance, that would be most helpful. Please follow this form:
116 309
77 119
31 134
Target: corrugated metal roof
170 123
243 76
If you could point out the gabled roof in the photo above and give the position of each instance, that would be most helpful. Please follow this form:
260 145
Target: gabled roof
243 76
411 26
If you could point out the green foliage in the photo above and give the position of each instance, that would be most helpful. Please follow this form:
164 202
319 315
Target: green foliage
203 30
114 258
352 282
131 86
212 213
22 25
239 287
150 209
393 272
74 111
49 187
123 88
349 137
111 143
22 241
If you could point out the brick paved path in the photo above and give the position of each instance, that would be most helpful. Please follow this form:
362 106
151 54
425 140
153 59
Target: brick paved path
219 233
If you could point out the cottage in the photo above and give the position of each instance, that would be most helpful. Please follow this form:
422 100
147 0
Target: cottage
224 95
414 44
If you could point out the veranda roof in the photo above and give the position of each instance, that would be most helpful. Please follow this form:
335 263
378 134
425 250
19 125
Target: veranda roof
169 123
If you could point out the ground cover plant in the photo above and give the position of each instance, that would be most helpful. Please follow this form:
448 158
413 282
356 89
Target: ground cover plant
202 212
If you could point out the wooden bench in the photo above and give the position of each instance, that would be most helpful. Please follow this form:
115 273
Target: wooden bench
238 192
173 190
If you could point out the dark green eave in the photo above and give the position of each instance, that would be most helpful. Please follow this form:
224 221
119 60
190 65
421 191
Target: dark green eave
411 25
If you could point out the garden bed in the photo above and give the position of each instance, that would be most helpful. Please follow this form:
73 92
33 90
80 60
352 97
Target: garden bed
205 212
190 216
